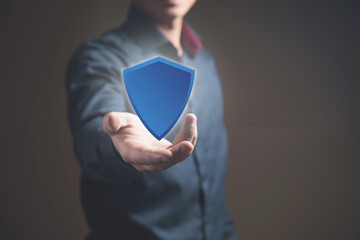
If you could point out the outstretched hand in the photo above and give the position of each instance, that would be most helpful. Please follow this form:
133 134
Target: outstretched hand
144 152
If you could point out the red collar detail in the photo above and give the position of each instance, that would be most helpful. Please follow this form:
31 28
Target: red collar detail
190 41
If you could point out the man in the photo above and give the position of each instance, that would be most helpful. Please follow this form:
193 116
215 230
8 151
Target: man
133 186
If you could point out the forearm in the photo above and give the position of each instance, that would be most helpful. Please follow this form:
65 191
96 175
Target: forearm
97 157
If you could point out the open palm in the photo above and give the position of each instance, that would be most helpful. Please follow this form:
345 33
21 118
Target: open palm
143 151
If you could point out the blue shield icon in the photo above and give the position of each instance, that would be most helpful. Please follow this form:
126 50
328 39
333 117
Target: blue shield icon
158 90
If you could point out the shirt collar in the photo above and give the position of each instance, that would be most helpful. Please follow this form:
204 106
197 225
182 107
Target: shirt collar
149 37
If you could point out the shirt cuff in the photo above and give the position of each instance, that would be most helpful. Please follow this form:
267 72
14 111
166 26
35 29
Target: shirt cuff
117 167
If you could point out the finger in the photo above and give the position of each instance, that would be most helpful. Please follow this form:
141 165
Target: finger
188 131
162 157
155 160
181 151
151 160
145 155
150 156
113 122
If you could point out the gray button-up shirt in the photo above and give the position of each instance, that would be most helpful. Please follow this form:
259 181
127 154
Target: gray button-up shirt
186 201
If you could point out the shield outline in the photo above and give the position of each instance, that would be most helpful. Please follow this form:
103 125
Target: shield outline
170 63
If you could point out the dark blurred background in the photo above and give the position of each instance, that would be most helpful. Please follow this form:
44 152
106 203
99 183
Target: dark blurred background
290 73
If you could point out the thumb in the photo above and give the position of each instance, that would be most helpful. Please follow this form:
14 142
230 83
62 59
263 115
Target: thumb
113 122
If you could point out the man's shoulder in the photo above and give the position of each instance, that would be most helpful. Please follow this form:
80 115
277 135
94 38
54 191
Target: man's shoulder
114 45
206 57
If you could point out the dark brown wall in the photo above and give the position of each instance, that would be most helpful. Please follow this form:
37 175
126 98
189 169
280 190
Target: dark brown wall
290 73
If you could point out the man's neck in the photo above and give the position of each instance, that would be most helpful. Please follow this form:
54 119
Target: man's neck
172 31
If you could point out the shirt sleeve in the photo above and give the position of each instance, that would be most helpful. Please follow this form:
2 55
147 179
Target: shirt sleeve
94 87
